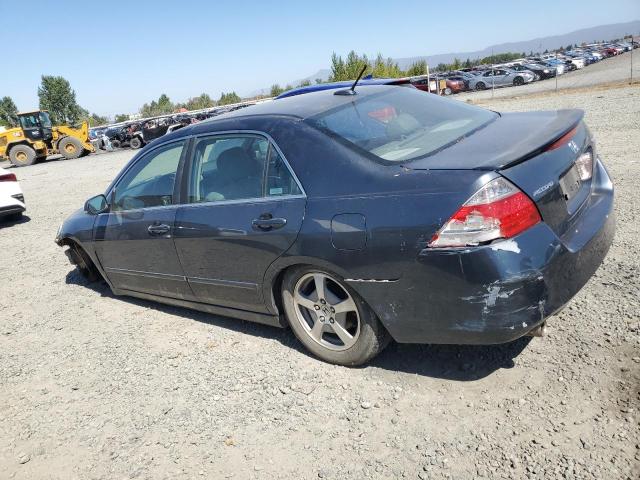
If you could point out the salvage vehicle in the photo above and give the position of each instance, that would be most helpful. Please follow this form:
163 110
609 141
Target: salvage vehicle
36 139
500 77
11 198
356 215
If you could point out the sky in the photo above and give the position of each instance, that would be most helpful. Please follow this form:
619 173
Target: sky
118 55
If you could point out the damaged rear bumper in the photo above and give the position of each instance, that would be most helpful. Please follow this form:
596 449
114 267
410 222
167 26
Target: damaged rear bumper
499 292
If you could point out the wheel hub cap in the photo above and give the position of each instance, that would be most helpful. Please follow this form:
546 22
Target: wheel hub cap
326 311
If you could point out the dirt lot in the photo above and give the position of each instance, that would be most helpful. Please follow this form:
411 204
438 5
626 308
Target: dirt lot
98 387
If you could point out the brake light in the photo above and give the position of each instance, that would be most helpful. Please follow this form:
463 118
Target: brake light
562 140
8 177
499 210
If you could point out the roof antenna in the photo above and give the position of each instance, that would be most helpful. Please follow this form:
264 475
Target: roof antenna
352 90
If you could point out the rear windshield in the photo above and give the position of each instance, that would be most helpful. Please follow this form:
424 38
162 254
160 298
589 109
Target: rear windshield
401 124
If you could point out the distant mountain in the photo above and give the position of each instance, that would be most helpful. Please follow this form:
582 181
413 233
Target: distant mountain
588 35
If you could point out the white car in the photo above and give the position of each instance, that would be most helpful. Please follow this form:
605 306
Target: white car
11 198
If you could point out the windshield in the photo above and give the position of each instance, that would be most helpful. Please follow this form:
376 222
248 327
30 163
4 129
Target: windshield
45 121
401 124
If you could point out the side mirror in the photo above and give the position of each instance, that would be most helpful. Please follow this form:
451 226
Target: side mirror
96 205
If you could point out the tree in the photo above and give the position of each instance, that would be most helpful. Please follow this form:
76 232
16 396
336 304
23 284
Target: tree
57 96
8 112
318 81
121 117
305 83
276 90
200 102
95 120
229 98
417 68
160 107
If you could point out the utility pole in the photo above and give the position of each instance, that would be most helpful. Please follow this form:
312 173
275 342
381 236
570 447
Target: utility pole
493 80
631 66
557 71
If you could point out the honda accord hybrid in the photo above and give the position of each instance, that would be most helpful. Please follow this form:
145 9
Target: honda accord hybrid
358 216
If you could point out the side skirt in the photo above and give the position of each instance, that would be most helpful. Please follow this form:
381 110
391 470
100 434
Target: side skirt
265 319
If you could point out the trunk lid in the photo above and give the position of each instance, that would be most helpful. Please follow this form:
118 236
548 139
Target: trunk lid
510 138
536 152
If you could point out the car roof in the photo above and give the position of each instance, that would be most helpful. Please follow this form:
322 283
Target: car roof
302 106
344 84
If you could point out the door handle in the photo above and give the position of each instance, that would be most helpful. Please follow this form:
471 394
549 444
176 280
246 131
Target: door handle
158 229
266 222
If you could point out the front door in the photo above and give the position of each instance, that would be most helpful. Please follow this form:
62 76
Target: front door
245 210
134 240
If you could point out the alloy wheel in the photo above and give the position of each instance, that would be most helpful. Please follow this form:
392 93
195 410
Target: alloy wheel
326 311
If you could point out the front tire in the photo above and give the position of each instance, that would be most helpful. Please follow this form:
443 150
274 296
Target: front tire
22 155
135 143
70 147
518 81
330 319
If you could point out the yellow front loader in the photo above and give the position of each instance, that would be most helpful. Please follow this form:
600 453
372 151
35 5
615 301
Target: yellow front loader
36 139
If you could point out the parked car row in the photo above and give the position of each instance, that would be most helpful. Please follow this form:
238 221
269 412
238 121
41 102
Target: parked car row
137 133
526 70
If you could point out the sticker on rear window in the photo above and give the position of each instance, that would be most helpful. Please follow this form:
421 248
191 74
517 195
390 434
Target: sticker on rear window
275 191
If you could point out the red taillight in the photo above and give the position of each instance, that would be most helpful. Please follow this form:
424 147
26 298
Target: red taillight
8 177
497 211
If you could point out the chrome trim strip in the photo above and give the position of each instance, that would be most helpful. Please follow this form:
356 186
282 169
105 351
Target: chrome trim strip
370 280
223 283
243 200
138 273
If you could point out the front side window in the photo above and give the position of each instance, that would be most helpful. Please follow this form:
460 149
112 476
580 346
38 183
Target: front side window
400 124
150 182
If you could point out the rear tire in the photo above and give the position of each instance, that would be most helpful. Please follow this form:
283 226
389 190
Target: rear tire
116 144
135 143
331 320
480 86
447 91
22 155
70 147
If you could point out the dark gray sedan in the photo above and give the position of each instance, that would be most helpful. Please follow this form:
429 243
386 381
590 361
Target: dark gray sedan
356 218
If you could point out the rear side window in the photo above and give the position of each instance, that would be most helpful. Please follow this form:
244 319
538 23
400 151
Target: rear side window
279 179
228 168
401 124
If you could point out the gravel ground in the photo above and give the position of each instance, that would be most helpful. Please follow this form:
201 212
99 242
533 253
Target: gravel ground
614 69
98 387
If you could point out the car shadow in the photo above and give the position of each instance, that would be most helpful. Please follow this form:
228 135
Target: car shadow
283 335
9 222
450 362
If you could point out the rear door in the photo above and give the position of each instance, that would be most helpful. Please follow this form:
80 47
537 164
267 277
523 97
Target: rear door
134 240
245 210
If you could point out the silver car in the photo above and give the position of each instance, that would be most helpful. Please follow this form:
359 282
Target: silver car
500 77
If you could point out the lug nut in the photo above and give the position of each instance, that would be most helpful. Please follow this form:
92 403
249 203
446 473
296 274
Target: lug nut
317 307
322 301
331 320
322 319
333 310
